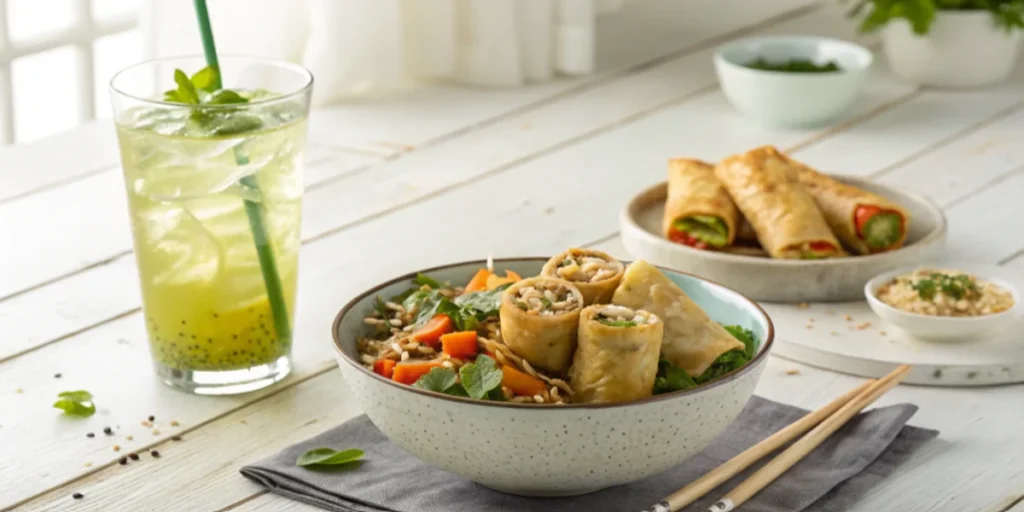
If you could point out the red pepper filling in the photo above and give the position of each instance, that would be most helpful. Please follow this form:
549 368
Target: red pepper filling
821 246
682 237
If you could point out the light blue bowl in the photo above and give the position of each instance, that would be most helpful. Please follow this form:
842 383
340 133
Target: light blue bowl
552 450
786 99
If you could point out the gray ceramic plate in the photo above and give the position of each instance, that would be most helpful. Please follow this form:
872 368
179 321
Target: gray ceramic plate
765 279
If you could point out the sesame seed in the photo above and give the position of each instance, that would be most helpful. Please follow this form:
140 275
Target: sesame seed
156 432
155 454
174 423
792 371
848 318
77 495
146 423
834 333
117 448
176 438
803 305
128 438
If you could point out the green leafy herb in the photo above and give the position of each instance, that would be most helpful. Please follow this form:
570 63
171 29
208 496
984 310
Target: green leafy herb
547 303
480 377
671 378
328 457
955 286
616 323
76 403
485 303
381 309
205 79
466 311
439 379
185 93
425 280
746 336
725 363
793 66
875 14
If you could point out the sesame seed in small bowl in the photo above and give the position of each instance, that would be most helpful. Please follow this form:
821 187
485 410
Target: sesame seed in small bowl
944 302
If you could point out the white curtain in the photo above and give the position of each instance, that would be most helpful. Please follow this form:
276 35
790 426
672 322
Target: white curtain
358 47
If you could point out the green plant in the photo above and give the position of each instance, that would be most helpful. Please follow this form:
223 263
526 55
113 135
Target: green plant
1006 14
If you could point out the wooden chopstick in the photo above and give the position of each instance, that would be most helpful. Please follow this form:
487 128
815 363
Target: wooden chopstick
732 467
780 464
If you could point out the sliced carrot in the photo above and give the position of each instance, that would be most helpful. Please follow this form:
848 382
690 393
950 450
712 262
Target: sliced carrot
460 344
409 373
493 281
432 331
520 383
479 281
385 367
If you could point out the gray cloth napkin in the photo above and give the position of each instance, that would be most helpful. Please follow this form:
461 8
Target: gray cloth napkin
829 479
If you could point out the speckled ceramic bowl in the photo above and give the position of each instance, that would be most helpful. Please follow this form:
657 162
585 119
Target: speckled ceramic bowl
540 450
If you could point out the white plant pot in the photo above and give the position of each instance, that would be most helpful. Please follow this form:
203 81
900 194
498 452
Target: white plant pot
962 49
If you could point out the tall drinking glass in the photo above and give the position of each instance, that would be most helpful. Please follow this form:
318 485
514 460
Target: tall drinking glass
214 195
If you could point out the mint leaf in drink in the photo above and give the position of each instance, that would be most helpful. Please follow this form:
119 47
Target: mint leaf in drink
206 79
76 403
225 97
328 457
186 92
230 123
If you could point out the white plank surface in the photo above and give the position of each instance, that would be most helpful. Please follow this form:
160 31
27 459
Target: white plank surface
525 172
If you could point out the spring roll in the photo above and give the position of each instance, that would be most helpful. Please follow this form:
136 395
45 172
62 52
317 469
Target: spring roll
617 358
692 339
539 318
595 273
788 223
867 223
698 211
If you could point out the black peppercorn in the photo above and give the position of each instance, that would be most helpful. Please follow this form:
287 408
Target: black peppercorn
155 453
108 431
122 461
77 495
152 418
90 434
134 456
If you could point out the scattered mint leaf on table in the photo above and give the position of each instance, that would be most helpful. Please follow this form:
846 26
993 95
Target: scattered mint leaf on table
76 403
328 457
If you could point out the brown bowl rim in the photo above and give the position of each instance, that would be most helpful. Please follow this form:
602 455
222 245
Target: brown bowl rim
763 353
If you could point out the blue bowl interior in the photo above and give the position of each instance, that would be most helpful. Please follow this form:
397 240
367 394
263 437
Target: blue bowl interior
721 304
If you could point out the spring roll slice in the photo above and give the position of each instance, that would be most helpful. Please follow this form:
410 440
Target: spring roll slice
698 211
865 222
692 339
595 273
539 319
785 217
617 358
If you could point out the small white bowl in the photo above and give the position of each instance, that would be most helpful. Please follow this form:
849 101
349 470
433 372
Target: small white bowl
941 327
786 99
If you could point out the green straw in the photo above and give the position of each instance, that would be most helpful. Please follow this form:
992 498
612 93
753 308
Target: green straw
257 224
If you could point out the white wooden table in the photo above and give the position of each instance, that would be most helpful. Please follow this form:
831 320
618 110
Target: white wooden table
515 172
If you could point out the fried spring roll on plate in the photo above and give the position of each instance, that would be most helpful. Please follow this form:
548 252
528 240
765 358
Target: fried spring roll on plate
617 358
865 222
698 211
539 318
595 273
786 218
692 339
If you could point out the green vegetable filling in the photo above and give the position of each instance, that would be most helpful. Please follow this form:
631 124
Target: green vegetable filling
793 66
882 230
706 228
672 378
616 323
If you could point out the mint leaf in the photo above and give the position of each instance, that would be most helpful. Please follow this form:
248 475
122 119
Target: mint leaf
186 92
206 79
439 379
225 97
480 377
486 303
76 403
232 124
423 279
328 457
